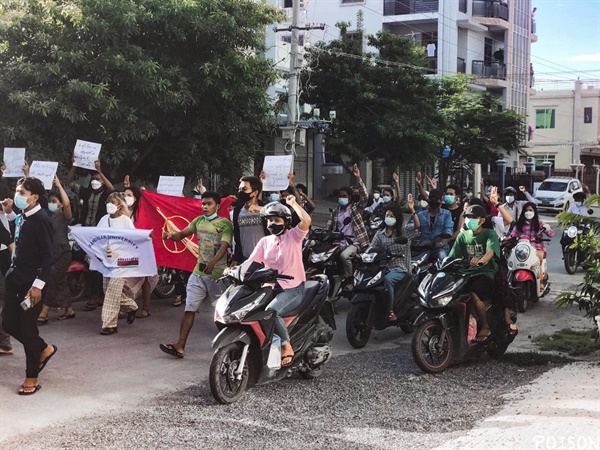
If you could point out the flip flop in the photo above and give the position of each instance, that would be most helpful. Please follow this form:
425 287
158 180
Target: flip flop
65 316
481 339
512 330
44 362
285 357
35 388
42 321
143 314
170 350
5 352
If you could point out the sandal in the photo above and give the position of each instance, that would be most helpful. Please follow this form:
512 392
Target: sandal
482 339
178 300
45 361
67 316
169 349
512 330
23 391
42 320
288 358
143 314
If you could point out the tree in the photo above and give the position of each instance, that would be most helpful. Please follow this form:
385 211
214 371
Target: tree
167 86
385 106
475 127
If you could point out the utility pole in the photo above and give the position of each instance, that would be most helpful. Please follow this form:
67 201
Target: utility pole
294 72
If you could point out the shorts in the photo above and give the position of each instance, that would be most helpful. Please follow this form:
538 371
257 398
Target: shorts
483 286
200 287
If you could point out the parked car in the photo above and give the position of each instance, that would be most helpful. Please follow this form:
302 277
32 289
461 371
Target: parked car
556 193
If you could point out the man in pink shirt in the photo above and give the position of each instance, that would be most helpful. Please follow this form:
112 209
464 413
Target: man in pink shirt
282 251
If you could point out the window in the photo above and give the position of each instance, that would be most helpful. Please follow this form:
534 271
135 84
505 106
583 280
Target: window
288 3
587 115
539 161
545 118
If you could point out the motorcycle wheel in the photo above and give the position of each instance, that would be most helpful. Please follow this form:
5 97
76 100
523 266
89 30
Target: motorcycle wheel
311 374
570 259
521 297
164 288
358 331
77 286
223 384
428 357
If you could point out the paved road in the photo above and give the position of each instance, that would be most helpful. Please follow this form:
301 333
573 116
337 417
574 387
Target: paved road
92 374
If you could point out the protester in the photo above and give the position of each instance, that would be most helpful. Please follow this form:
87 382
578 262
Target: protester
308 204
26 280
434 223
215 235
388 198
514 206
579 206
115 297
375 201
7 245
248 228
57 295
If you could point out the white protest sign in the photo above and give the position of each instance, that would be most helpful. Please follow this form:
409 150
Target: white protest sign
277 169
44 171
86 154
170 185
14 159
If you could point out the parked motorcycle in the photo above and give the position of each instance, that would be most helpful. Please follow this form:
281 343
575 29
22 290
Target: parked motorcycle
373 223
573 254
78 284
167 280
247 351
369 303
524 271
445 328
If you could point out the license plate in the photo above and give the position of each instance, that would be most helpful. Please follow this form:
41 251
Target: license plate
545 203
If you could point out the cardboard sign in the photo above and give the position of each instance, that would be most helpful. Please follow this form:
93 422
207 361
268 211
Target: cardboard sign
44 171
171 186
14 158
277 169
86 154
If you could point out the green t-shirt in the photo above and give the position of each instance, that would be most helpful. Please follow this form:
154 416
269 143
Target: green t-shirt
469 245
210 235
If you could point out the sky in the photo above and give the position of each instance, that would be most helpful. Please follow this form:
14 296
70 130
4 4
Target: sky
568 43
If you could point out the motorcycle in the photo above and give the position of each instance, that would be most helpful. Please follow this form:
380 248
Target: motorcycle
247 351
373 223
369 304
524 271
167 281
573 254
78 272
444 330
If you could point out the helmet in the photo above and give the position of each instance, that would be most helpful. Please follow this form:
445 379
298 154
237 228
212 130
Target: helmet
509 190
275 209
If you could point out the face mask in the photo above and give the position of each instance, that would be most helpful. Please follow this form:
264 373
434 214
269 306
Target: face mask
579 204
529 215
376 196
355 198
96 184
211 217
21 201
243 197
275 228
434 204
390 221
343 201
274 197
52 207
130 201
449 199
198 197
386 198
111 208
423 204
510 199
472 224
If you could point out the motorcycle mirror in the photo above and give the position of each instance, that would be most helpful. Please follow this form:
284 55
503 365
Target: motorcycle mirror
401 240
347 221
330 210
590 211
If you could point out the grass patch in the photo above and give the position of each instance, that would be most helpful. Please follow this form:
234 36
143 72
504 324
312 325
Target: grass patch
569 341
528 359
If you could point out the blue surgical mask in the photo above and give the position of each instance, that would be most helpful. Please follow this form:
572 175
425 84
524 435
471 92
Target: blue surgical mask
343 201
390 221
52 207
21 201
211 217
274 197
449 199
510 199
386 198
472 224
579 204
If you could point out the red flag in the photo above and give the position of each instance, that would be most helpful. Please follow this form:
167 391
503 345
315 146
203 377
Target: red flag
165 213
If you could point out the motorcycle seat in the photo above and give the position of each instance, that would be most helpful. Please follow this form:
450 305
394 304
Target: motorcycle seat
311 288
420 257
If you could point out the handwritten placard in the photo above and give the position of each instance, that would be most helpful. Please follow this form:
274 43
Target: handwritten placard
277 169
44 171
86 154
14 159
170 185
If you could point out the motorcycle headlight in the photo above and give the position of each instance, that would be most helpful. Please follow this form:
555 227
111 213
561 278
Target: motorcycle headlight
374 280
572 231
368 257
522 252
318 257
238 315
440 302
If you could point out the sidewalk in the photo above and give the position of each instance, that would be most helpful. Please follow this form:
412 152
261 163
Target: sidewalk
559 410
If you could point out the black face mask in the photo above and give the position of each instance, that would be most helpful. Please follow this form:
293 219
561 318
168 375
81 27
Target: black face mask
434 204
275 229
355 198
243 197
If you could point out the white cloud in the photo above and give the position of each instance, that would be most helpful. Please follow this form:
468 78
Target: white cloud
585 58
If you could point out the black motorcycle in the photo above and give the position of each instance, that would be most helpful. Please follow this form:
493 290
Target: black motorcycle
444 330
573 254
247 351
369 304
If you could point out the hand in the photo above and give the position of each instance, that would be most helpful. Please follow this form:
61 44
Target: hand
56 181
291 201
35 295
7 205
227 270
482 186
522 189
410 203
356 171
262 176
431 182
419 179
546 227
494 198
126 182
474 262
439 244
166 236
98 166
395 177
26 168
200 189
209 268
292 179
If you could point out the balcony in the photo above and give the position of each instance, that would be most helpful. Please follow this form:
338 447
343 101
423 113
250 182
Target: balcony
403 7
491 13
461 65
490 74
462 6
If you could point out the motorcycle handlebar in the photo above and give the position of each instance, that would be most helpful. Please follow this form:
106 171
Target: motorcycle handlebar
285 277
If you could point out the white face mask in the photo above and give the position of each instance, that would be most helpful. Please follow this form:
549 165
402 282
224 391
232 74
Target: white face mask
96 184
424 204
130 201
111 208
376 196
529 215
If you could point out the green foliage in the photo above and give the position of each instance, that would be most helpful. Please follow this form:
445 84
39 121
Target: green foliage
569 341
587 294
168 86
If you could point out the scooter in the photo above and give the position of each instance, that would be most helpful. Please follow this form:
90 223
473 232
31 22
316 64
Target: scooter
78 273
369 303
247 351
445 329
573 254
524 272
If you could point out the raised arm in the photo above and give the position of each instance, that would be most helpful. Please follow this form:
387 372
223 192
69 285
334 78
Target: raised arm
419 181
292 183
71 175
528 196
364 195
305 219
64 199
411 207
397 186
109 187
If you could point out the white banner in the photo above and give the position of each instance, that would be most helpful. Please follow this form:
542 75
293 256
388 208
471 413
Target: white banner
117 252
44 171
14 159
277 168
86 154
170 185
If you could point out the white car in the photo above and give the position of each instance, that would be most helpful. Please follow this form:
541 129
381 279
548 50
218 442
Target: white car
556 193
